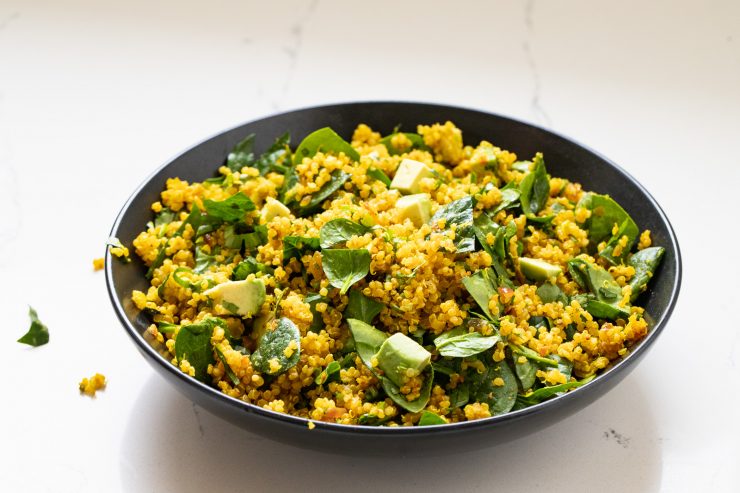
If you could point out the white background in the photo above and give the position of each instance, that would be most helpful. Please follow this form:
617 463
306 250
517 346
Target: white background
94 95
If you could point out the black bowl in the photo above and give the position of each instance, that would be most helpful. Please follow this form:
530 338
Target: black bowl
564 158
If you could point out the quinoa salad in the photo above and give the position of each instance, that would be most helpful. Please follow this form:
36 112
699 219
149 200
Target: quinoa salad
395 280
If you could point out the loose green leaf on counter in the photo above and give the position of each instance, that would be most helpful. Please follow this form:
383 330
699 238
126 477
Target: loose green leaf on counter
38 333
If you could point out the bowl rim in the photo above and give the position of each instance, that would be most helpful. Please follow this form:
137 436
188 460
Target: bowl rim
301 422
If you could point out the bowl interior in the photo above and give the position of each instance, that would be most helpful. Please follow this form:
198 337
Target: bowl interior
563 158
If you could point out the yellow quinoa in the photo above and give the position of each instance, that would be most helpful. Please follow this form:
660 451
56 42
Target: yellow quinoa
98 263
250 289
89 386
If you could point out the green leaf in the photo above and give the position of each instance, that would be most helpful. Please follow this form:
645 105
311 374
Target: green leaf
185 283
417 142
166 328
203 260
367 340
338 231
526 371
193 343
509 199
38 333
345 267
544 393
460 395
534 190
318 321
330 370
459 343
272 345
298 246
242 154
249 266
327 141
379 175
645 262
605 213
629 229
229 372
165 216
360 307
550 293
338 178
500 399
603 302
481 286
230 210
531 355
275 156
430 419
459 213
417 404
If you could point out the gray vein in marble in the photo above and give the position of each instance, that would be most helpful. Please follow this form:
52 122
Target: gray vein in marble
197 419
10 200
535 104
293 50
4 23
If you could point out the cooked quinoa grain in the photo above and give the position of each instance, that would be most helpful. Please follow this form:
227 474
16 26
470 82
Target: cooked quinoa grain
89 386
396 280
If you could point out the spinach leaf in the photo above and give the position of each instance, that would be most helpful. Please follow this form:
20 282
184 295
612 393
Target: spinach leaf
38 333
338 178
230 210
379 175
249 266
417 404
629 229
482 226
645 262
430 419
459 213
500 398
535 190
185 283
203 260
338 231
526 371
164 217
166 328
193 343
331 370
603 302
522 166
459 343
550 293
530 354
229 372
298 246
460 395
368 419
345 267
270 357
509 199
605 213
242 154
367 340
361 307
417 142
324 140
544 393
318 320
481 286
273 158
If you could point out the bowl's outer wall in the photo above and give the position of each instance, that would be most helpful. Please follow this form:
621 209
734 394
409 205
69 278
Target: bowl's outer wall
563 158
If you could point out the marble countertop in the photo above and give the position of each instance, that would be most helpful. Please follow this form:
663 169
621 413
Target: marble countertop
95 95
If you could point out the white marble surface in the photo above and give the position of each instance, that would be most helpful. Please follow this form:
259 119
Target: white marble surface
94 95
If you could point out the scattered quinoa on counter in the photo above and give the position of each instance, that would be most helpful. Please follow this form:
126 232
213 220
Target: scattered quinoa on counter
98 263
89 386
395 280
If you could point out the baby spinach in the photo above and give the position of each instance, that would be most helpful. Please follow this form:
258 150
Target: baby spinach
337 180
544 393
272 347
229 372
345 267
459 343
298 246
276 154
331 370
460 214
367 340
500 398
605 213
394 392
324 140
550 293
460 395
430 419
338 231
230 210
606 294
185 283
379 175
193 343
645 262
203 260
417 142
629 229
360 307
249 266
482 286
368 419
318 321
531 355
164 217
166 328
483 225
37 334
242 154
534 191
509 199
526 371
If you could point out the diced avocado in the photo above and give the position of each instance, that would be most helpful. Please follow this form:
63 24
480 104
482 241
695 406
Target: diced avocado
273 208
538 270
244 298
408 176
416 207
400 353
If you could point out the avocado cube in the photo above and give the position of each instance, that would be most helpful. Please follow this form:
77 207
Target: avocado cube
243 298
408 175
272 209
398 354
417 208
538 270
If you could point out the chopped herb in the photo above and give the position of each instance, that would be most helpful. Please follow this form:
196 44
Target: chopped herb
38 333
